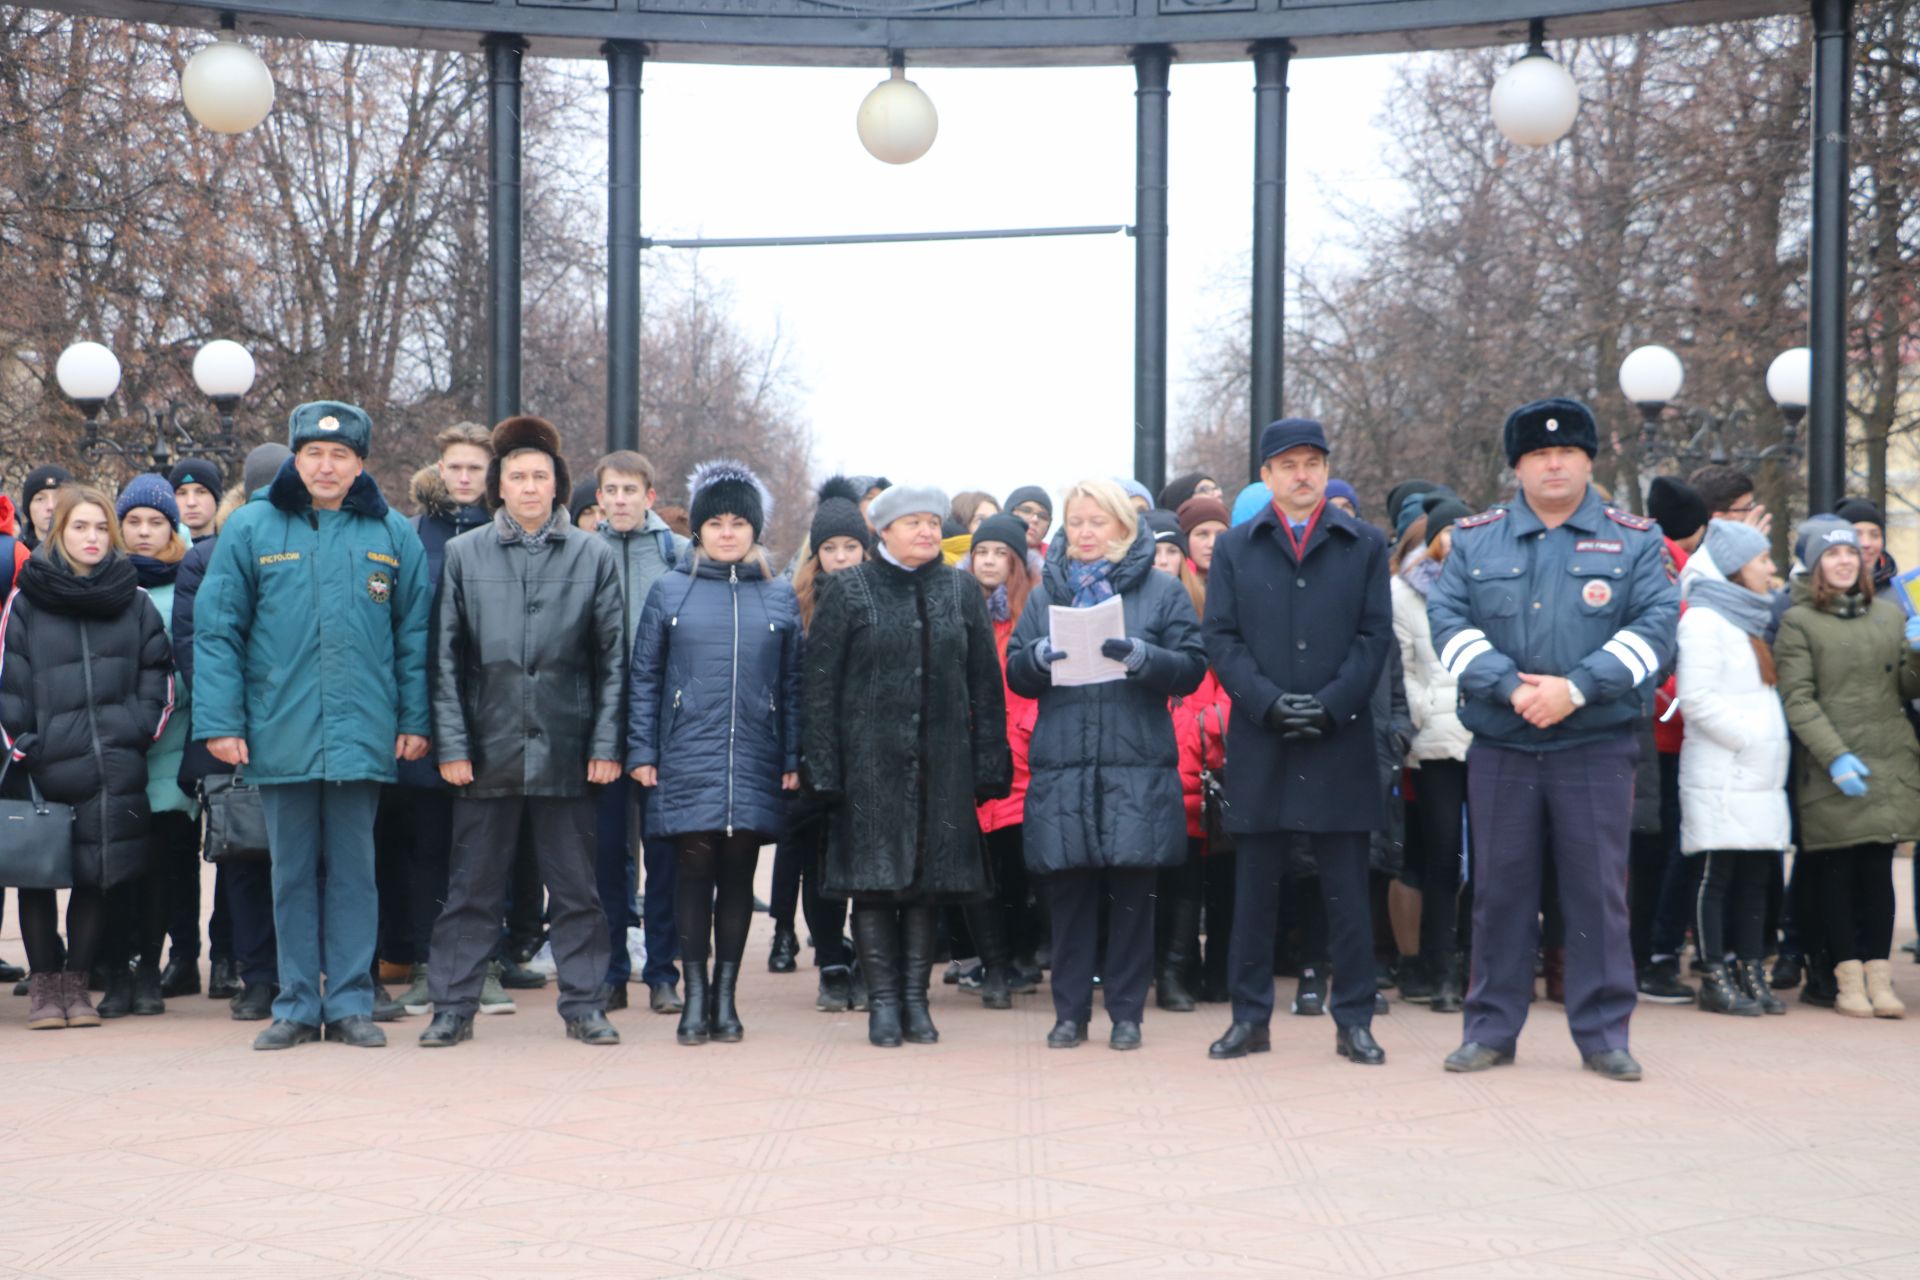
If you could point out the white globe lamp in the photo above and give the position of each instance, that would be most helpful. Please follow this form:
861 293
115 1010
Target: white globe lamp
1534 101
897 122
88 373
226 86
223 370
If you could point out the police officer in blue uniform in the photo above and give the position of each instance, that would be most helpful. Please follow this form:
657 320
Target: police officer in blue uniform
1556 615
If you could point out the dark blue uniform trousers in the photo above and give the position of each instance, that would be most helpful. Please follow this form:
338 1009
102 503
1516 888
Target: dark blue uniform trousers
1260 866
616 874
1575 806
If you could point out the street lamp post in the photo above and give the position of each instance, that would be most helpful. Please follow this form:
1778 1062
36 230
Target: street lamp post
89 375
1651 377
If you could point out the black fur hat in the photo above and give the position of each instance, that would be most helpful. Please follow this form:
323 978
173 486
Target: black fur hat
725 487
838 515
527 432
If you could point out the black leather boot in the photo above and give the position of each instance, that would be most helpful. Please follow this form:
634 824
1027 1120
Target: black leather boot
1753 980
147 1000
876 937
1172 991
726 1019
1449 984
988 928
181 977
919 939
223 979
785 953
696 1016
117 998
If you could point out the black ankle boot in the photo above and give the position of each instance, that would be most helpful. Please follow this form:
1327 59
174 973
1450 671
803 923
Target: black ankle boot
726 1019
147 1000
786 951
117 1000
876 937
1449 984
919 938
1172 990
696 1018
988 927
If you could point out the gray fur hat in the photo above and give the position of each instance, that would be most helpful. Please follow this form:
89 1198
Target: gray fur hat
906 500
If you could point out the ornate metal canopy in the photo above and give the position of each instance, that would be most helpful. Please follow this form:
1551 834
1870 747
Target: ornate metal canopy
1004 33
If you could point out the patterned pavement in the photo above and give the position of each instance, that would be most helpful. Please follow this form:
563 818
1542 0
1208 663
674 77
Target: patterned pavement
166 1147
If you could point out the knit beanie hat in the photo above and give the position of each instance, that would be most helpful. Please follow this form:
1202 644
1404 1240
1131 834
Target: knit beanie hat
585 494
1180 488
1860 511
1030 493
1730 544
837 514
1338 488
907 500
262 465
1011 530
1195 512
1677 508
40 479
200 471
1818 535
1134 489
1443 514
1163 525
724 487
1251 501
148 489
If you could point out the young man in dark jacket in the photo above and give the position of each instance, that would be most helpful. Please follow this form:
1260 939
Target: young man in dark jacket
526 711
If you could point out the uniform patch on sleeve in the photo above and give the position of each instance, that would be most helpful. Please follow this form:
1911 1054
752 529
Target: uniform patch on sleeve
1484 518
280 557
1627 518
1606 545
392 562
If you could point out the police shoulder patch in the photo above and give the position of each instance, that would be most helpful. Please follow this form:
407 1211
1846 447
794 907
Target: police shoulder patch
1484 518
1629 520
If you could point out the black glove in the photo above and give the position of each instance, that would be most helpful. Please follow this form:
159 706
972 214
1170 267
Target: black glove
1301 717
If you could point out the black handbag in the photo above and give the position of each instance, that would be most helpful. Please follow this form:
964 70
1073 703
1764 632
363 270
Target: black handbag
1213 789
36 840
233 821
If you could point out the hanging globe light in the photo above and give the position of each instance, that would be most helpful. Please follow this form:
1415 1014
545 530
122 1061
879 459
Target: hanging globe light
223 369
1790 378
897 121
87 373
226 86
1535 100
1651 377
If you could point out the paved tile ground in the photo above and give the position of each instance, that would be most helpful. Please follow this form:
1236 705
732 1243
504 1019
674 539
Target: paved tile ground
165 1147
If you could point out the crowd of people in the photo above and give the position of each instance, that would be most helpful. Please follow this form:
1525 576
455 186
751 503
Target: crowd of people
1382 746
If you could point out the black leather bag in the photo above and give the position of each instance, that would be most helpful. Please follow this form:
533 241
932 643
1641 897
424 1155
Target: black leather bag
1213 787
234 823
36 840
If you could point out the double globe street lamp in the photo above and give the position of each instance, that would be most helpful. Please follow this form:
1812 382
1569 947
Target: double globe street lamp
89 375
1651 377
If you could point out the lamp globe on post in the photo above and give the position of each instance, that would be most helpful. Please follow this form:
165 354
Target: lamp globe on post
1651 377
897 122
88 374
1535 100
226 86
1790 383
224 371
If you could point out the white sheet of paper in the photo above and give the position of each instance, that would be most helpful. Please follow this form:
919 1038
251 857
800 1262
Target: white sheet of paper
1078 634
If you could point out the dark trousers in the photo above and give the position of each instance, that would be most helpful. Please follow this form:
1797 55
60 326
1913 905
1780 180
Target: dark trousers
525 925
250 906
40 929
413 838
1856 900
796 885
1441 817
660 862
1646 875
1732 904
326 910
487 834
1260 868
220 920
615 871
1073 902
176 877
1578 804
1680 879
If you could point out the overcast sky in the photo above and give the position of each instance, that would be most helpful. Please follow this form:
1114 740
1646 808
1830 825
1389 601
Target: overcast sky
991 363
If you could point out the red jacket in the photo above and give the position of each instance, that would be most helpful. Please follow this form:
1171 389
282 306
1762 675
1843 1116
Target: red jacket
1021 714
1199 726
10 527
1667 734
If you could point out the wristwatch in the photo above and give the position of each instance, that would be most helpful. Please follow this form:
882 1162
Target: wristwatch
1577 698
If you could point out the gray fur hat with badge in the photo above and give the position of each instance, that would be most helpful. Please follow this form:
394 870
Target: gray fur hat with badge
332 421
724 487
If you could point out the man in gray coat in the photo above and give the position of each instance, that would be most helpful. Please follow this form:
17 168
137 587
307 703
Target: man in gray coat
526 711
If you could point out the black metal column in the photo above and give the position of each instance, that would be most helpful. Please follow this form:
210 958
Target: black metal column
1827 413
1151 65
624 62
503 225
1268 372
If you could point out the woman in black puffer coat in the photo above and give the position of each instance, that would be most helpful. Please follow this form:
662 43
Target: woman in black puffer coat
1105 807
86 685
714 730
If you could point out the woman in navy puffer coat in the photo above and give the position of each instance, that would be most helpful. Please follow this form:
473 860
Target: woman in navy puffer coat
714 730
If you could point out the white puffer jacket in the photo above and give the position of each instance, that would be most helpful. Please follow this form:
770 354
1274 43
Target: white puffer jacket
1733 762
1432 694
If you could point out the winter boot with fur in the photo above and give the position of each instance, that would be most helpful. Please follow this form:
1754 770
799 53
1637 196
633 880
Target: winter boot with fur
1880 990
1850 977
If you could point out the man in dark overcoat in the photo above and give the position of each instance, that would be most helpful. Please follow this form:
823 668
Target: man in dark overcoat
1298 629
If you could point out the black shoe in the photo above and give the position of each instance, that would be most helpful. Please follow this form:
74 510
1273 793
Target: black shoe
1752 976
22 987
1474 1056
447 1029
592 1028
181 977
253 1004
1613 1064
726 1018
515 976
616 996
385 1007
836 990
1660 983
1241 1039
11 972
786 950
118 1000
1415 983
1381 1005
1356 1044
1125 1035
1719 993
223 979
696 1013
1819 988
1067 1033
996 989
1310 998
284 1035
1786 972
357 1030
663 997
919 935
876 936
1023 977
1170 990
147 1000
1449 988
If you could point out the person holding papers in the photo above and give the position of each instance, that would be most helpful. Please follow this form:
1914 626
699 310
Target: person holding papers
1102 644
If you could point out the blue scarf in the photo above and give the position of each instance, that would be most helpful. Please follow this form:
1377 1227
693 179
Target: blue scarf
1422 574
998 607
1090 581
